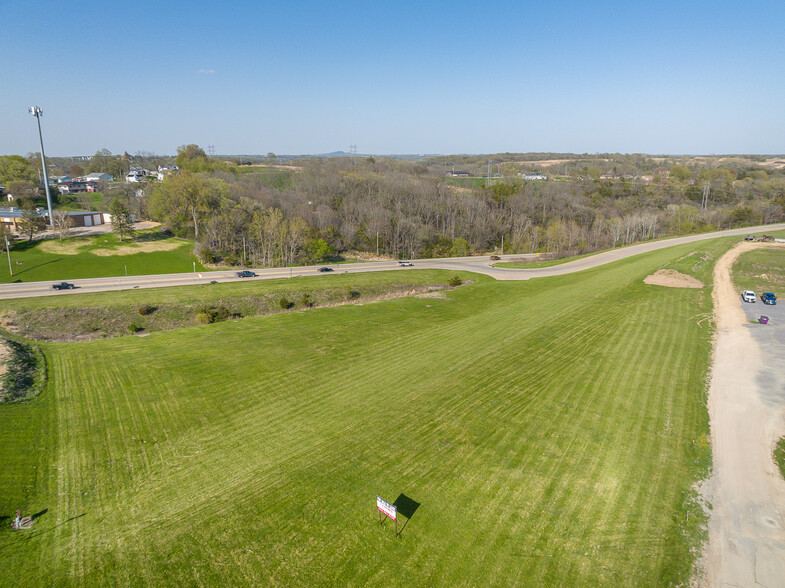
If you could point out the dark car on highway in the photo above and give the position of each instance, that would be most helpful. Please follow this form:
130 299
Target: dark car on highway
768 298
246 274
325 269
63 286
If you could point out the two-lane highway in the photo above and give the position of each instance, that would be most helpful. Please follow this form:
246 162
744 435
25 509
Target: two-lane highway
482 265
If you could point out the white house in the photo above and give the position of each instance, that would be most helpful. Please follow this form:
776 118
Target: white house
165 170
134 176
97 176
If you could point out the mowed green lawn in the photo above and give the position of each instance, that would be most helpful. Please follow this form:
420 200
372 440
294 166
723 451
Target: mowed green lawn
550 431
97 256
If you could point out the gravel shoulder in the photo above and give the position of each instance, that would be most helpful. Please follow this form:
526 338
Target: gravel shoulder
746 544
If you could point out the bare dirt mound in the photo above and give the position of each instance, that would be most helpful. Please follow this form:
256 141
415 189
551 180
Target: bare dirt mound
672 279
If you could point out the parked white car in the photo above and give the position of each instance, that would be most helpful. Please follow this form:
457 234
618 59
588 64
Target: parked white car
748 296
405 263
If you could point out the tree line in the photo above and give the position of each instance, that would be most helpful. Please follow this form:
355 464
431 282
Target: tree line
404 209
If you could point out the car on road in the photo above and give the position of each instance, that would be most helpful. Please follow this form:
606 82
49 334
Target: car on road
405 263
495 257
63 286
246 274
325 269
749 238
768 298
748 296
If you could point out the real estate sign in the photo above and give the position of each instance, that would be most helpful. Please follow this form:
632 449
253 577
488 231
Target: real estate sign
386 508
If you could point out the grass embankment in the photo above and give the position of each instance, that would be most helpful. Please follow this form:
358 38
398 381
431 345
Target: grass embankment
98 256
113 314
545 261
22 370
530 442
760 270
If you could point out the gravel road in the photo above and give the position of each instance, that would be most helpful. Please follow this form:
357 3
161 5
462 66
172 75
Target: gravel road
747 410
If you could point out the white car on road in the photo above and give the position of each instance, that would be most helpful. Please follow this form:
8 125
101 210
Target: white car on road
748 296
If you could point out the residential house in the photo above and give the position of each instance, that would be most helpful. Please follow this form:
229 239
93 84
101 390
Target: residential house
81 218
97 176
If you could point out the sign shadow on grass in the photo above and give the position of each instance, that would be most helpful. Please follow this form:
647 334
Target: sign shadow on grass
407 507
32 267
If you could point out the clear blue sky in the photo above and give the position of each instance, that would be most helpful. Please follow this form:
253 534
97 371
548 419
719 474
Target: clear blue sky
394 77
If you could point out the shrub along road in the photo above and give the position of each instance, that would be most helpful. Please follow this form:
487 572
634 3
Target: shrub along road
481 265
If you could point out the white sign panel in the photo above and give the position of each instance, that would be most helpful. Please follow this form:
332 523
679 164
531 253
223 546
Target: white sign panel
386 508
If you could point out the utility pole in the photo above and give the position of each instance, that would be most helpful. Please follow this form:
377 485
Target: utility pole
488 181
211 150
8 249
705 200
37 112
353 153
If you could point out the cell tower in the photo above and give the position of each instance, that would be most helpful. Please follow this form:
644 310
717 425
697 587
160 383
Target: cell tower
211 150
353 152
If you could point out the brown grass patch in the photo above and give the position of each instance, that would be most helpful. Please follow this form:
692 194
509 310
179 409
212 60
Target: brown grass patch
133 248
432 295
672 279
69 247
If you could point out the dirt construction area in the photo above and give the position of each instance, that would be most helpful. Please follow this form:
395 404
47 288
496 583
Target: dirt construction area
747 410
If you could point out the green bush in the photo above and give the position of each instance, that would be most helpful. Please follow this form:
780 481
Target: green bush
455 281
306 300
211 314
230 258
146 309
135 327
285 303
202 318
206 255
351 293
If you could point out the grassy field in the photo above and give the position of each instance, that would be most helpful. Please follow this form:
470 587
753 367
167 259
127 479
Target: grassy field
98 256
529 442
760 270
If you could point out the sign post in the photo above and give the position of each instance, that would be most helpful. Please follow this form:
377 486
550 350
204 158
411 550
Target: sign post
388 510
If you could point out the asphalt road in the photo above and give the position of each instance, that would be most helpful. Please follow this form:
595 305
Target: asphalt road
482 265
